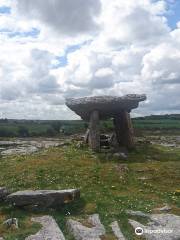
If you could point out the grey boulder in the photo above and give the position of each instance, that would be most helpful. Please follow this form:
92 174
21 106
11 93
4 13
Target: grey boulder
120 155
43 198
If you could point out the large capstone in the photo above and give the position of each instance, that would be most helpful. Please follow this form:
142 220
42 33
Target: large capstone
107 106
43 198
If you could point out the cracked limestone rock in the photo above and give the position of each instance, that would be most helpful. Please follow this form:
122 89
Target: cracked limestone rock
81 232
49 231
160 226
117 231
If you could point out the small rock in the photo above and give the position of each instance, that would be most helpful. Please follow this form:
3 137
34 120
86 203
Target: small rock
49 231
117 231
166 208
77 137
143 178
140 170
80 144
43 198
177 192
62 144
3 193
137 213
122 168
11 223
81 232
120 155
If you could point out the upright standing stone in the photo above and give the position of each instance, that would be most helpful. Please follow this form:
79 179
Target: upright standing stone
124 130
94 134
117 128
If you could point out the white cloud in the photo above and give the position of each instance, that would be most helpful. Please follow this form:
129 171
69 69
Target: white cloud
40 79
119 47
66 16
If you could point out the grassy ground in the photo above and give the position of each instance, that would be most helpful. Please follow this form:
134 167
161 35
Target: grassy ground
106 187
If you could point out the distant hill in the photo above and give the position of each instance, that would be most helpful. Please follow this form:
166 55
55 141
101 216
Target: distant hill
51 128
165 116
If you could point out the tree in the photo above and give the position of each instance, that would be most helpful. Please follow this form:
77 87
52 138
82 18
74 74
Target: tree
23 131
56 126
50 132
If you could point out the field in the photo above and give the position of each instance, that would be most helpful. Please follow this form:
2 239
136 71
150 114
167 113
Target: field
20 128
156 124
30 128
147 179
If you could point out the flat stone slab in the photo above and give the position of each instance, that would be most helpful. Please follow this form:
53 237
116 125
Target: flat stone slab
28 146
160 226
81 232
20 150
49 231
108 106
43 198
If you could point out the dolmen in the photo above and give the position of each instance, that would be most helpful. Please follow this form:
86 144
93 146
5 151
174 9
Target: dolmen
43 198
94 109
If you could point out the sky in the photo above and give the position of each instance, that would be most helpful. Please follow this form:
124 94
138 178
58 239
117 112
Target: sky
55 49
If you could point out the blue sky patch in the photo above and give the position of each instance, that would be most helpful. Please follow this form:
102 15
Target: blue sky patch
4 30
32 33
174 13
62 60
5 10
